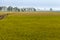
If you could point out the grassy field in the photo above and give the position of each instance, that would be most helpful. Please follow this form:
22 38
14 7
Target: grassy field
30 26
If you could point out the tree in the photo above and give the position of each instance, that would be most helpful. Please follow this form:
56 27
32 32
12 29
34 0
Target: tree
34 9
0 8
16 9
10 8
22 9
50 9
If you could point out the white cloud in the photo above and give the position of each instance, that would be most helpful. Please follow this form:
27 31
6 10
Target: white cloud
31 3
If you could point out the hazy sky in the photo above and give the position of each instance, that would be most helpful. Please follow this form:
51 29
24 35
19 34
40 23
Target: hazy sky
31 3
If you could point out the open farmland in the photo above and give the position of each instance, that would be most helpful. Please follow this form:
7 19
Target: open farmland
30 26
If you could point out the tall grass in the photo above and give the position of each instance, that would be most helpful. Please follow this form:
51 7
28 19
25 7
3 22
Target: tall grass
30 27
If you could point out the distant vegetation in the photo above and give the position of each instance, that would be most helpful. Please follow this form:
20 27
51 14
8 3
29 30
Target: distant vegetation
16 9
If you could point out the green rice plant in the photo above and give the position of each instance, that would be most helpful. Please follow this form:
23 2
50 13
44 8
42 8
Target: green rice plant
30 27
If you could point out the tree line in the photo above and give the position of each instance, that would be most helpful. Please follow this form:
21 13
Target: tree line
16 9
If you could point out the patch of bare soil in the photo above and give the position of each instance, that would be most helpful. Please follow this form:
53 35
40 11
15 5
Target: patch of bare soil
3 16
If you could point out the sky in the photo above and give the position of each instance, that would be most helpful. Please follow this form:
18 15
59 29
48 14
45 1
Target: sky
32 3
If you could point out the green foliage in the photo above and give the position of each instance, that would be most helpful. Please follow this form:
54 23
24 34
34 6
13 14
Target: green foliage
10 8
